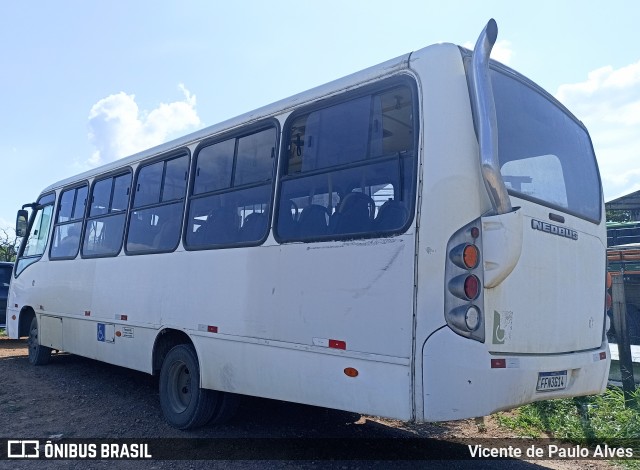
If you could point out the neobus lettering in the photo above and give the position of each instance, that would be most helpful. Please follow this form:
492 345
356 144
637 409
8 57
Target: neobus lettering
554 229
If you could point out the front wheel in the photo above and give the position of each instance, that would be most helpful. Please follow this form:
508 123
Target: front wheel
185 405
38 355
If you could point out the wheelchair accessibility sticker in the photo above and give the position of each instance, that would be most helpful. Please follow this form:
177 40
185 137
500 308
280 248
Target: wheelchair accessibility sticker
502 325
106 333
101 332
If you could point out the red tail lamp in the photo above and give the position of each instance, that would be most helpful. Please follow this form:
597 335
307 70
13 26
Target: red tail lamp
471 287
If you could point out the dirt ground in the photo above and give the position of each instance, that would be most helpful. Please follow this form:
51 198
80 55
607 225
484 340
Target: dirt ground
74 397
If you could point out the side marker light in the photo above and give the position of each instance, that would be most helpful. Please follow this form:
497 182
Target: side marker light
351 372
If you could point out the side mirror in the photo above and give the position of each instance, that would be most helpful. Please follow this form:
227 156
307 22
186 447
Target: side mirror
21 223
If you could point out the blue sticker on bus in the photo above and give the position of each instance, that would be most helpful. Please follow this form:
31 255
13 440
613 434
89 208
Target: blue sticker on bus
101 332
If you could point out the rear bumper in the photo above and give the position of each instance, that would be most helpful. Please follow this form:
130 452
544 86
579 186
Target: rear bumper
459 382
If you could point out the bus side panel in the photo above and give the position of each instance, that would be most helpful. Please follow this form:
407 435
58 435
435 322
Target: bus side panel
50 332
309 377
119 343
357 292
61 287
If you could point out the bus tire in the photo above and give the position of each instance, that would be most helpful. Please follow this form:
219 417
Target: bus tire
184 404
38 355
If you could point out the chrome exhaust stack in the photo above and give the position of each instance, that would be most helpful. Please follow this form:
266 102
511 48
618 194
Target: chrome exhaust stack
485 119
502 231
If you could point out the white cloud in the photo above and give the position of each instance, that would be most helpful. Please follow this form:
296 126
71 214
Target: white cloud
608 102
501 51
118 128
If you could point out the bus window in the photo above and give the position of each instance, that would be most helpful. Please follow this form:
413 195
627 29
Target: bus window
543 155
105 222
68 227
537 176
350 170
38 234
158 203
232 191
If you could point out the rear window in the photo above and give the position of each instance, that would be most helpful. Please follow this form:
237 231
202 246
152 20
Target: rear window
545 154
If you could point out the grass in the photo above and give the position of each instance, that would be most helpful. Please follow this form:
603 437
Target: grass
584 419
3 332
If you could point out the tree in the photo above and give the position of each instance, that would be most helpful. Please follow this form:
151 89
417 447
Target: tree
9 243
618 215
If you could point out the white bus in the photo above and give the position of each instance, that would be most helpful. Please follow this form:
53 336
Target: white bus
422 240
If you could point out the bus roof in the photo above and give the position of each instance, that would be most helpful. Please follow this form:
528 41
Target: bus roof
282 106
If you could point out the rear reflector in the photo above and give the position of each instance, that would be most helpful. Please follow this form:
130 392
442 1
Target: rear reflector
498 363
330 343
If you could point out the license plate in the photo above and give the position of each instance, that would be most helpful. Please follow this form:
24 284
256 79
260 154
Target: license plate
548 381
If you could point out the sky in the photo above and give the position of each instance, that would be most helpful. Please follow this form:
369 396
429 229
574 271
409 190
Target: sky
83 83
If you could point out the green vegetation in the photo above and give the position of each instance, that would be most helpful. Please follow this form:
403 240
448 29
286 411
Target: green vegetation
9 243
3 332
601 418
618 216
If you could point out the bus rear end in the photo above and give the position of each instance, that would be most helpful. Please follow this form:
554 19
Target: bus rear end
524 283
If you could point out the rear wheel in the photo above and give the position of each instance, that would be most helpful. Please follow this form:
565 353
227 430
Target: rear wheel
38 355
185 405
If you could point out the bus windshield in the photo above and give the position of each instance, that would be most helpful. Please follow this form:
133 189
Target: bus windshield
545 154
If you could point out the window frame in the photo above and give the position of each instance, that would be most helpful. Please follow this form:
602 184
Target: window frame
45 200
377 88
75 187
239 133
87 219
172 155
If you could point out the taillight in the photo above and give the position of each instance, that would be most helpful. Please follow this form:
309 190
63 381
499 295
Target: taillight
471 287
464 299
465 256
465 286
472 318
470 256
